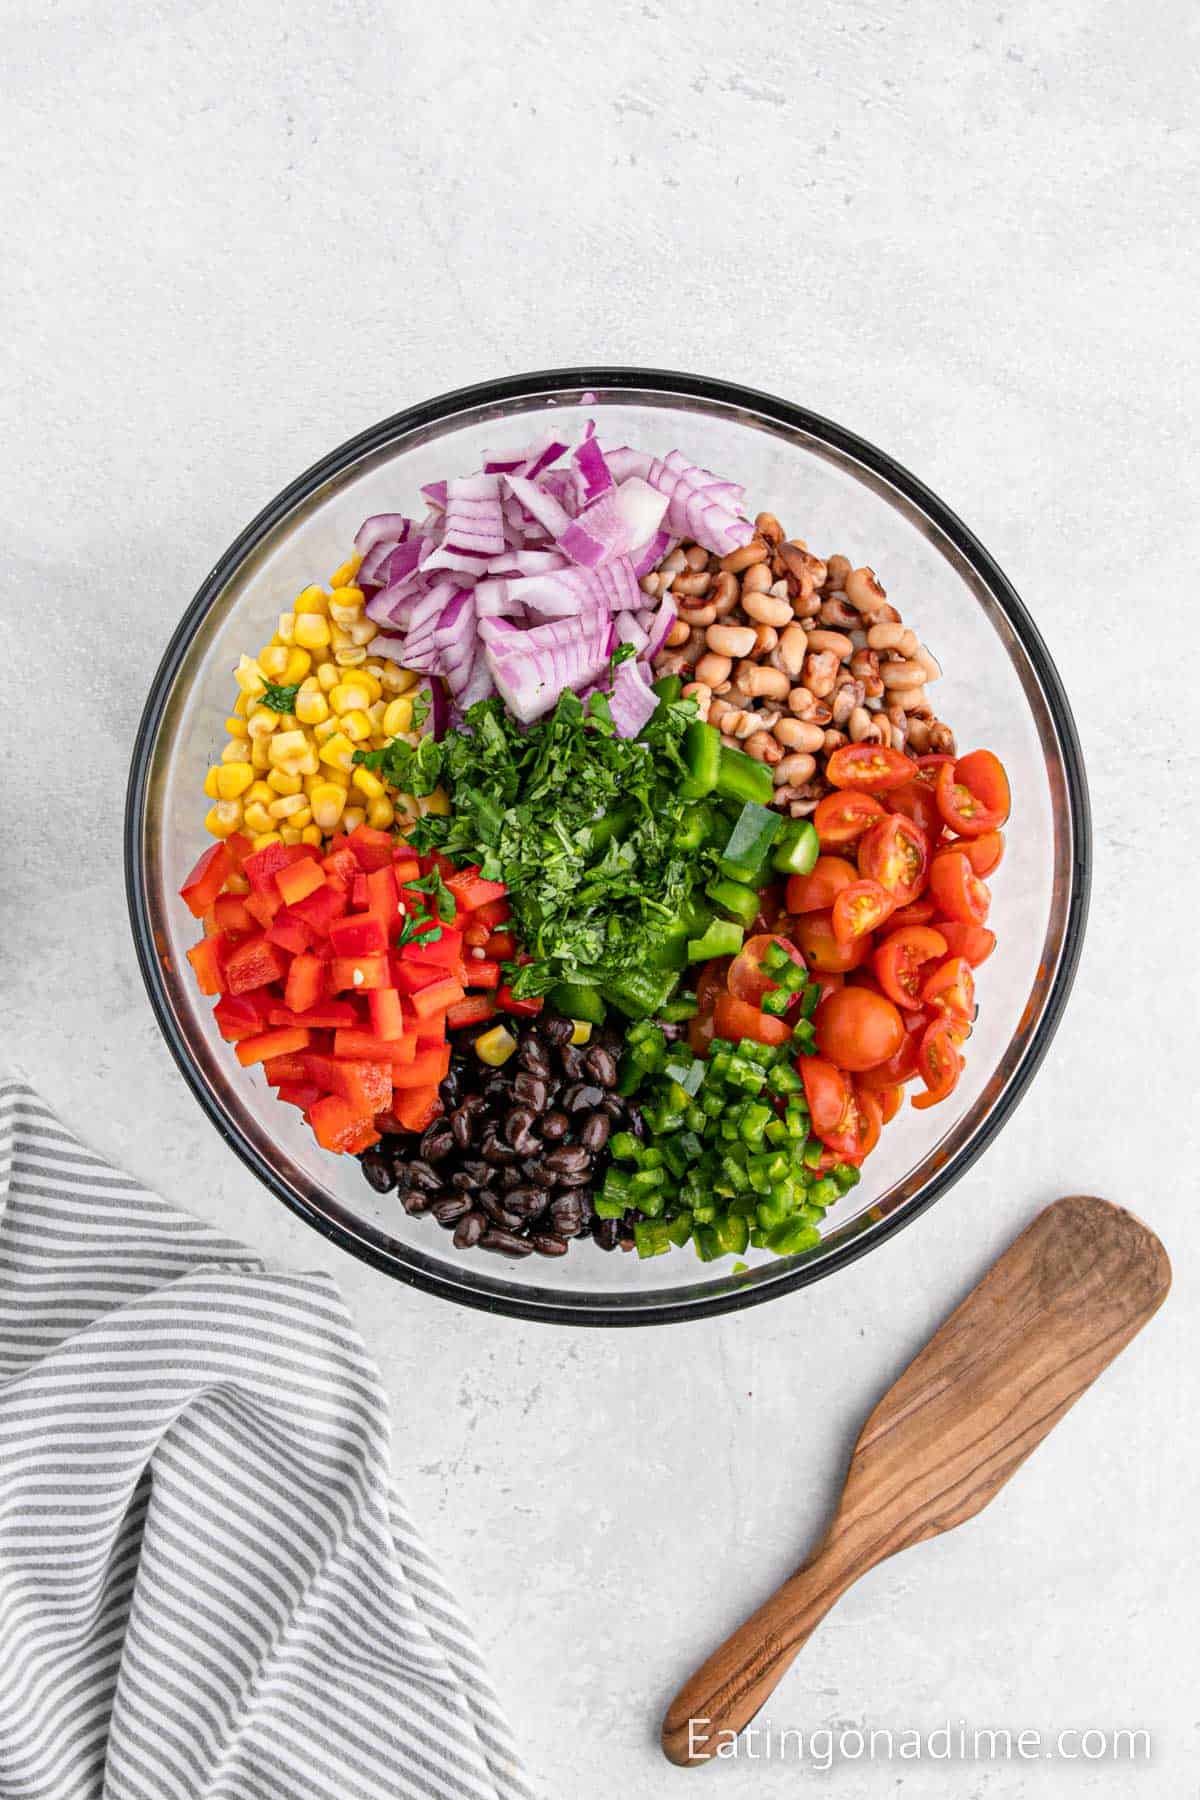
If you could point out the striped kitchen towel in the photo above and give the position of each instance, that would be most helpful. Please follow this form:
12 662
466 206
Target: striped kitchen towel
207 1586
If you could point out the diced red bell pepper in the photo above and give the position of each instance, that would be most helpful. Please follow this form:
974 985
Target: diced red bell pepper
239 847
436 999
475 936
358 934
442 952
482 972
205 958
242 1015
320 908
470 890
415 1108
382 899
387 1014
318 1067
522 1009
305 982
207 879
283 1042
290 933
502 946
230 914
326 1015
406 867
264 907
495 914
359 974
252 964
358 890
409 976
342 863
427 1068
471 1011
261 869
429 1031
372 848
298 1093
367 1085
288 1067
299 879
337 1126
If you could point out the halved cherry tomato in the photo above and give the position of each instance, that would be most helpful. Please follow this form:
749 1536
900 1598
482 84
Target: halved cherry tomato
930 767
918 802
857 1029
973 795
974 942
871 1119
701 1030
951 988
868 767
891 1099
822 951
748 980
827 1092
895 853
983 853
841 819
818 890
860 908
917 912
898 960
899 1068
939 1063
735 1019
957 889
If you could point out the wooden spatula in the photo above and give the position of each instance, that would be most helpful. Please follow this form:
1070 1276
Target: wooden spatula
1060 1304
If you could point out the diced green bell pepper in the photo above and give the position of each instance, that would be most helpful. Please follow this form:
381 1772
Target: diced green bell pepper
668 688
576 1001
702 753
642 993
740 777
721 939
797 848
744 857
735 898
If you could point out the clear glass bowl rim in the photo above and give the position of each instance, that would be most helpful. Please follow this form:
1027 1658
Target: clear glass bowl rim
667 383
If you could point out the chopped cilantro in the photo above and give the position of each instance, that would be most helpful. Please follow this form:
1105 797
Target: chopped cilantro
279 699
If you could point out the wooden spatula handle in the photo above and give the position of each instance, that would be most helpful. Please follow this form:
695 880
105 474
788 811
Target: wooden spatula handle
726 1691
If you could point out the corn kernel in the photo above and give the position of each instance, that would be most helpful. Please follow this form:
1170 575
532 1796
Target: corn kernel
249 676
353 817
495 1046
346 696
286 628
338 752
234 778
312 631
262 722
327 801
301 820
356 726
241 706
437 803
398 717
368 784
280 782
306 764
257 817
288 834
312 834
581 1031
286 805
286 744
345 615
348 657
325 730
210 782
237 728
235 751
328 676
262 790
343 576
380 813
223 819
311 707
339 637
267 837
347 594
259 758
397 681
299 662
312 600
362 630
272 660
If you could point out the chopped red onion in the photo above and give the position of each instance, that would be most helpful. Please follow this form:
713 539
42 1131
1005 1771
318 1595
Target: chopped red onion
632 700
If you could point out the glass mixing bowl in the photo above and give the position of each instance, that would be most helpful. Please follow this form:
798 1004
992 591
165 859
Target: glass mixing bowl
999 689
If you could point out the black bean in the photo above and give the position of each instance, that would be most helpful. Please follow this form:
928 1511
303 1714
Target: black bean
450 1210
421 1175
555 1125
601 1064
518 1129
566 1216
546 1244
463 1181
437 1142
557 1031
567 1160
625 1242
378 1170
572 1061
606 1233
527 1201
595 1132
496 1087
581 1096
469 1230
531 1090
505 1243
413 1200
614 1106
462 1124
493 1151
450 1087
512 1177
634 1119
490 1203
532 1056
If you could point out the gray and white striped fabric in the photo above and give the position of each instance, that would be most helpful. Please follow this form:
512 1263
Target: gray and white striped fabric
207 1587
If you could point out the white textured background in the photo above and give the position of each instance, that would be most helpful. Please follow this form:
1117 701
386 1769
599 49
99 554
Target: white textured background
234 235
